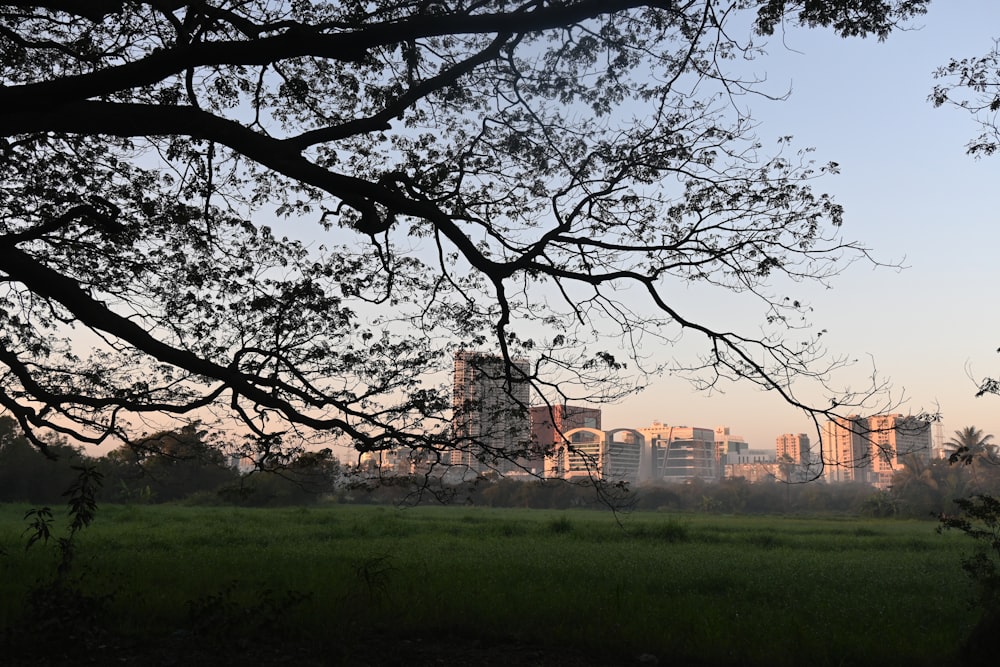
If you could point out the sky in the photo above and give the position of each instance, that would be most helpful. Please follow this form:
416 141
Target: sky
913 196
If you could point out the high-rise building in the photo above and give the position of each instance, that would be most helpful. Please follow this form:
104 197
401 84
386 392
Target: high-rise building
490 423
846 450
872 449
795 459
792 447
893 438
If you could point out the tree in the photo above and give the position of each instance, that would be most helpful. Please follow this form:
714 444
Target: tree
26 475
979 518
170 464
305 479
927 488
486 175
969 445
973 84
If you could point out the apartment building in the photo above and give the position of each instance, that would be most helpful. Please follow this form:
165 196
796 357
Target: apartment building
792 448
894 437
871 449
846 450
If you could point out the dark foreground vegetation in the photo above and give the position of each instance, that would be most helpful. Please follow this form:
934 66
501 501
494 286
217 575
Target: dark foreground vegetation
378 585
178 566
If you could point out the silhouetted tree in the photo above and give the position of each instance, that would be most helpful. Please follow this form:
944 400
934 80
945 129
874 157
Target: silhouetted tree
969 445
930 488
456 159
306 479
916 486
973 84
168 465
979 518
27 475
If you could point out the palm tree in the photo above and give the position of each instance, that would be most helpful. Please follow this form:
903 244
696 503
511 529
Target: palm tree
969 444
972 448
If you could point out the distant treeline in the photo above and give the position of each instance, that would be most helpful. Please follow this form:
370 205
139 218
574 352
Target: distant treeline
919 490
169 466
179 466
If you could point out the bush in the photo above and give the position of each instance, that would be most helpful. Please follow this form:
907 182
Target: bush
979 518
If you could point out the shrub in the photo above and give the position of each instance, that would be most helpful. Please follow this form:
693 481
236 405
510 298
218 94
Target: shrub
979 518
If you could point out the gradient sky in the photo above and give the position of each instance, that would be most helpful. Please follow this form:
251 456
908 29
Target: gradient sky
912 196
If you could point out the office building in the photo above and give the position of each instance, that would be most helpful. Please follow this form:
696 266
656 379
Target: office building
615 456
549 424
729 448
681 453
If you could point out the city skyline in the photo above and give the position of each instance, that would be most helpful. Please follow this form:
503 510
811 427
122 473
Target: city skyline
496 430
863 449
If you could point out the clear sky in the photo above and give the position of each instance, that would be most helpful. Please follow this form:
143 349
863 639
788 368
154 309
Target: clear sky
912 195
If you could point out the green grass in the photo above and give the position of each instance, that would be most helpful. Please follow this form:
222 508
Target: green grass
746 590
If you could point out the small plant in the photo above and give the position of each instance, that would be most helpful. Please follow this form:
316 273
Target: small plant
142 495
59 610
82 502
980 520
40 526
373 572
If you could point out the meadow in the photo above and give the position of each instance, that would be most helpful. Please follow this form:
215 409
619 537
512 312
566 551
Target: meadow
687 588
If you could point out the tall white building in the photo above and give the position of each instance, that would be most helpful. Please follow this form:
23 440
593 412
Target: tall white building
846 451
490 422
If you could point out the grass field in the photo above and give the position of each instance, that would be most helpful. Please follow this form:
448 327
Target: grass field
710 589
